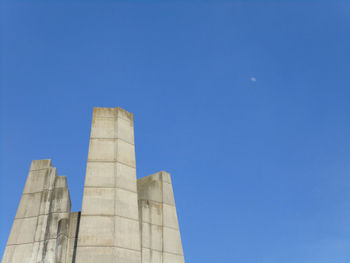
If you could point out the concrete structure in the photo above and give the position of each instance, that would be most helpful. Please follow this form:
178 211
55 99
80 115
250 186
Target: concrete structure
160 234
123 220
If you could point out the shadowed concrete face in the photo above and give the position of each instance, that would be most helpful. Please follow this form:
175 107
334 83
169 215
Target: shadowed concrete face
123 220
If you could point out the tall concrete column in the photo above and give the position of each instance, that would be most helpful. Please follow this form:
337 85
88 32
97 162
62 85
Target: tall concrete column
123 220
109 224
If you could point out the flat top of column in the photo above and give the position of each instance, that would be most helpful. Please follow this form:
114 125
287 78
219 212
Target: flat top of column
159 176
40 164
112 112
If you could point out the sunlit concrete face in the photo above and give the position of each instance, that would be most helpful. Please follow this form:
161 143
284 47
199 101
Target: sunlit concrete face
45 201
122 219
160 234
109 215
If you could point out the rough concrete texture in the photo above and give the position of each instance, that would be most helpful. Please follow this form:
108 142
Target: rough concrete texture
109 226
160 234
45 201
122 219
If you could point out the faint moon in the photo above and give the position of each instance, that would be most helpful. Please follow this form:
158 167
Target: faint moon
253 79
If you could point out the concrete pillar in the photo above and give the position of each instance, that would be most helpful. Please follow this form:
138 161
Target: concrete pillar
160 234
109 225
45 200
122 220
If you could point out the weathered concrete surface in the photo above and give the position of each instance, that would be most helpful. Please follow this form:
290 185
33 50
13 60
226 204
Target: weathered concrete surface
109 225
67 238
123 220
160 234
44 202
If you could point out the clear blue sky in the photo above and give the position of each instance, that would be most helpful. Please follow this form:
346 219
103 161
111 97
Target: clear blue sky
261 169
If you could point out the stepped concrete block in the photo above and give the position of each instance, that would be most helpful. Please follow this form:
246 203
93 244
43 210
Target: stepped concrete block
61 182
60 200
37 181
44 202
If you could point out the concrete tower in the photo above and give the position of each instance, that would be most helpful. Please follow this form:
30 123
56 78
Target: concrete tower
123 220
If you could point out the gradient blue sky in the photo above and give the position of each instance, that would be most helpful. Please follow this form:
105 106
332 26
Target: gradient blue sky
261 170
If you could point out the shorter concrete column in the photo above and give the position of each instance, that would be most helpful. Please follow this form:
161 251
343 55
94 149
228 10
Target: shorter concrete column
160 233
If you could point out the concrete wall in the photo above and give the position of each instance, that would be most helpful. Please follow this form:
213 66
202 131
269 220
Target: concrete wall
123 220
160 234
45 200
109 225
